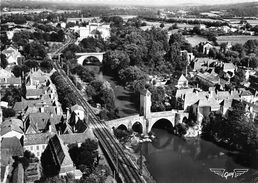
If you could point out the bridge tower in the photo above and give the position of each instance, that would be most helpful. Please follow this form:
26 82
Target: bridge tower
145 103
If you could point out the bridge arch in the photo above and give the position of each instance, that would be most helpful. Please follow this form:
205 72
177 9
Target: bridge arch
122 127
162 123
91 60
82 56
137 127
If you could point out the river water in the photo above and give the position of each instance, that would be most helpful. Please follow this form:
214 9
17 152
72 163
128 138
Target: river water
170 159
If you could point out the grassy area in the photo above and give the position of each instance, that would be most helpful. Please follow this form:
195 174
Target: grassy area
235 39
195 40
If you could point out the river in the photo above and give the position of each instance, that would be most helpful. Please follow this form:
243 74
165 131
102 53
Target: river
170 159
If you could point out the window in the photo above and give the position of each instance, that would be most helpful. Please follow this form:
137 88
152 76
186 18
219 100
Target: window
43 146
31 147
37 147
38 154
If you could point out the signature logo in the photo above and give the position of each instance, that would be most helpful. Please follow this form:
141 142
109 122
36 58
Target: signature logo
224 174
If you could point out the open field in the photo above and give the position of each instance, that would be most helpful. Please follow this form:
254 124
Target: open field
195 40
235 39
237 21
167 25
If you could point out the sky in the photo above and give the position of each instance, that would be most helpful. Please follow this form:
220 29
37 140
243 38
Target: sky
162 2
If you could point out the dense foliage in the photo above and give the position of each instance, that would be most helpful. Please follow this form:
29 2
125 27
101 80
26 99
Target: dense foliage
66 95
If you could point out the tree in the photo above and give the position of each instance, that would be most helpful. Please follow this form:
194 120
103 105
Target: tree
91 44
17 70
131 74
31 64
4 61
176 38
84 74
251 46
46 65
35 50
12 95
161 25
84 155
116 60
7 113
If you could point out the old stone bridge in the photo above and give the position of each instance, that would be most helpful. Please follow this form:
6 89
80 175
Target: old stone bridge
82 56
147 119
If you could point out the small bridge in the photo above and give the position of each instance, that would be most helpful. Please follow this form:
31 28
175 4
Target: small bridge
82 56
149 119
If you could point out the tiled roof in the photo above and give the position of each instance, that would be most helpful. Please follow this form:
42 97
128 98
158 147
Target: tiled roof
34 92
77 107
182 92
4 73
60 153
11 80
11 124
38 138
10 146
182 78
77 137
227 66
38 121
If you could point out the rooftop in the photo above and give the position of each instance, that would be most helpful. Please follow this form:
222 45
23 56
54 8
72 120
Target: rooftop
11 124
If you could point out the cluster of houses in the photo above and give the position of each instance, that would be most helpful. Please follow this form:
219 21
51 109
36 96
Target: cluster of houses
38 126
226 29
210 94
94 28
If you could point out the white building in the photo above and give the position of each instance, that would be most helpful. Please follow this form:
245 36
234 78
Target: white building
12 54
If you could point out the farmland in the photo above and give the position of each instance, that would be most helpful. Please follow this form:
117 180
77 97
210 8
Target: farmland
235 39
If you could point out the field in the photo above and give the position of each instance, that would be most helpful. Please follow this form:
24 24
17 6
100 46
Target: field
167 25
195 40
235 39
236 21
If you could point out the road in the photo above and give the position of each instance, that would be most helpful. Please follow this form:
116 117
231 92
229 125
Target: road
124 167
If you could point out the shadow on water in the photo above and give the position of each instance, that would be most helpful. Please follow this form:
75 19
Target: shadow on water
169 157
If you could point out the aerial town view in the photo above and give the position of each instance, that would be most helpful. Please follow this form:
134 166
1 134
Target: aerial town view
122 91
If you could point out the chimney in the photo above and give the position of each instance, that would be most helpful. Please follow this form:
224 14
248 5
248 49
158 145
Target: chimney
67 114
42 109
50 128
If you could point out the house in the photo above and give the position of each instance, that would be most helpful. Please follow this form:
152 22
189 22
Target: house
25 106
204 63
78 138
10 148
229 67
206 47
40 123
12 54
36 78
5 73
78 111
182 82
189 56
225 29
202 26
12 81
246 95
34 93
201 104
225 105
180 93
212 79
36 143
12 127
202 108
56 153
